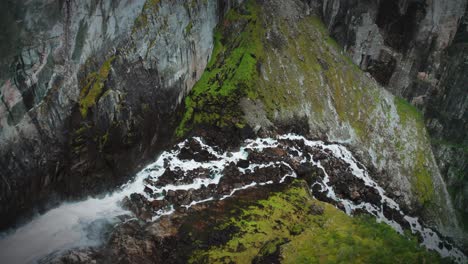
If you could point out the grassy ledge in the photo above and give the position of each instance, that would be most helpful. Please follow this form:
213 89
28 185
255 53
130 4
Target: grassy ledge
293 227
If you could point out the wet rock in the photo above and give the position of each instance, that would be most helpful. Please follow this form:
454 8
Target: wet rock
138 205
319 155
73 257
148 190
355 195
275 152
309 172
194 151
243 164
371 195
169 177
321 195
159 204
171 193
395 215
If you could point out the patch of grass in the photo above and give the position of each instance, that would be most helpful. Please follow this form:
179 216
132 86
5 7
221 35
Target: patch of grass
284 224
408 112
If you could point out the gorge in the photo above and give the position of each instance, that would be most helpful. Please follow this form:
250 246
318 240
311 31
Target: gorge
239 107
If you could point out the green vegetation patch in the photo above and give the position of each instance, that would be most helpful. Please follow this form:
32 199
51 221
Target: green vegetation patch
308 68
150 8
407 112
422 185
421 175
230 74
94 85
293 227
188 28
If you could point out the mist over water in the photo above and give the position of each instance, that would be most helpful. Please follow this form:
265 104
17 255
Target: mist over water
68 226
84 223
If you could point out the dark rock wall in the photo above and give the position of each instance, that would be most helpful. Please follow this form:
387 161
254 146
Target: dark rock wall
418 50
90 91
447 117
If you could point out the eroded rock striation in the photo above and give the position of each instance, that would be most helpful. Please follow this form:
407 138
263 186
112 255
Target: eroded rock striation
418 50
105 86
89 91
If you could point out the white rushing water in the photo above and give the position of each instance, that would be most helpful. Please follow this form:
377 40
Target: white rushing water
74 224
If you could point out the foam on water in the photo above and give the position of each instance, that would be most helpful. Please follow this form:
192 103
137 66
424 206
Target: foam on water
72 224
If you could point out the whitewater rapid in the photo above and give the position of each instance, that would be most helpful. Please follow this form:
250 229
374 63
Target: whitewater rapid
78 224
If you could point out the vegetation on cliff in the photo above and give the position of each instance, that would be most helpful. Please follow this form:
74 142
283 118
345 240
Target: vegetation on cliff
292 227
292 68
230 75
93 86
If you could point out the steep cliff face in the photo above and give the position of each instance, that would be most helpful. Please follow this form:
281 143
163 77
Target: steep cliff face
447 118
274 70
395 40
88 90
96 92
287 73
417 49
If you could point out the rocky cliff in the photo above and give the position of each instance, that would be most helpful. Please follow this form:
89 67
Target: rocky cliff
417 50
287 72
102 87
89 89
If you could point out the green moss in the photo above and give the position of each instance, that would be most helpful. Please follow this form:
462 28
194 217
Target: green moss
94 85
422 180
82 129
297 69
284 224
188 28
229 76
150 8
421 176
311 68
408 112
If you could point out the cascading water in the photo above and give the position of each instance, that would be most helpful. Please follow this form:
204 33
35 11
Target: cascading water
176 180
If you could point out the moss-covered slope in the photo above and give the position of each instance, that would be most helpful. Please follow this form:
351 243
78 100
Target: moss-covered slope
292 227
274 63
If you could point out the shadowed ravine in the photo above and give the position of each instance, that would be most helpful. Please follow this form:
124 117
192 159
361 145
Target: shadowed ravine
194 172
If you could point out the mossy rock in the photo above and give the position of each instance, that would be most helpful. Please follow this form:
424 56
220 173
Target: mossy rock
263 235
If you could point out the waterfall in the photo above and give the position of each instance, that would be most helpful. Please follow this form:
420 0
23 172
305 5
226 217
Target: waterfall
197 168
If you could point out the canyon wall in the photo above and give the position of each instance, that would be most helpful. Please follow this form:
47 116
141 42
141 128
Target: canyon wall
89 90
418 51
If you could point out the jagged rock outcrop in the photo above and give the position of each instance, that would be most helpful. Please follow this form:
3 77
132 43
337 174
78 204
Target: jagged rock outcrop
89 89
395 40
417 49
447 118
98 95
287 74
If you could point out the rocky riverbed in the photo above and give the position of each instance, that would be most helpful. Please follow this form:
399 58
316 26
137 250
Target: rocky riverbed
196 174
